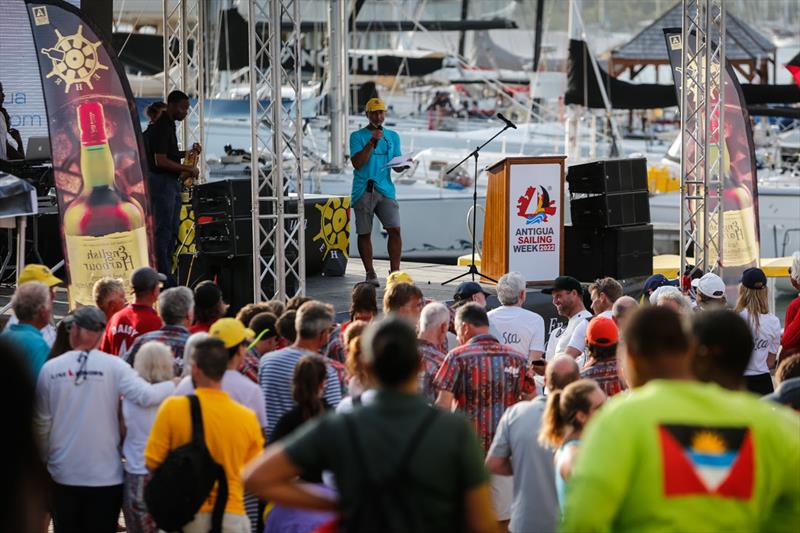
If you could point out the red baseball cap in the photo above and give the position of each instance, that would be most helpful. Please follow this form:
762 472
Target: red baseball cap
602 331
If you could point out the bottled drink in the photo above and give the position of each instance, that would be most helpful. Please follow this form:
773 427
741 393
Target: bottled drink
105 234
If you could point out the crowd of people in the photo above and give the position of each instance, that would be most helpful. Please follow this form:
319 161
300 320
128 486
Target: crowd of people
656 413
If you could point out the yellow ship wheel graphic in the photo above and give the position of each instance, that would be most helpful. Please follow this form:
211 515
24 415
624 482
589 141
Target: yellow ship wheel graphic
334 224
75 60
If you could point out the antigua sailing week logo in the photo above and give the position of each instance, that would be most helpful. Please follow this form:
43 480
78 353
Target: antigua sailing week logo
535 206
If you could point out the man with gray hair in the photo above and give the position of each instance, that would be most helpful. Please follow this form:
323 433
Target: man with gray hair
313 324
109 295
516 451
176 307
519 328
32 307
434 322
622 308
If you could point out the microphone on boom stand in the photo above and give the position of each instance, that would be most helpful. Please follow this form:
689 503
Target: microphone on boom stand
509 124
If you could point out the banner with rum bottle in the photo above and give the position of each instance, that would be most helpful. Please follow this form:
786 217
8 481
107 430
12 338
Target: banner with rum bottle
740 237
97 150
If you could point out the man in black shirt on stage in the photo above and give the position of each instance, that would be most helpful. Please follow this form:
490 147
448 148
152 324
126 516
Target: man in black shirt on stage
166 173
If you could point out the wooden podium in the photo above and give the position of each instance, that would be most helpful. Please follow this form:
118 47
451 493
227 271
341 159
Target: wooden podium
524 222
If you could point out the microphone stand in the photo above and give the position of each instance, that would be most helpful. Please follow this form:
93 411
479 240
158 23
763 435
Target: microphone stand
473 270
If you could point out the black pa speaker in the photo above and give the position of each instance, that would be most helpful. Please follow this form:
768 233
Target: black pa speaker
608 176
592 253
611 210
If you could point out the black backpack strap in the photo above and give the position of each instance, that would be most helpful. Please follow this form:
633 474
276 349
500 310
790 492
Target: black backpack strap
198 437
222 499
357 402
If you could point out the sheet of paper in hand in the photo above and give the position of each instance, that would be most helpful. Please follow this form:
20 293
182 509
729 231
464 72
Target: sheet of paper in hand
399 162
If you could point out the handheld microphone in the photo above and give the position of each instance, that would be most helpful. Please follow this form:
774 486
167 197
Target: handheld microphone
509 124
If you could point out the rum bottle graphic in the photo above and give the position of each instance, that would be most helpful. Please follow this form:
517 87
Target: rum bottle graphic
105 234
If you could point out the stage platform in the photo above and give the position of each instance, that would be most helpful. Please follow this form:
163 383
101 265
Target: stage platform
427 276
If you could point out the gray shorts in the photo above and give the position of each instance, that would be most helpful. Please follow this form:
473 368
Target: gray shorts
374 203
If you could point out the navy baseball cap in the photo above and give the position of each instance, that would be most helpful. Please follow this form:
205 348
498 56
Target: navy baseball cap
564 283
657 280
467 289
754 278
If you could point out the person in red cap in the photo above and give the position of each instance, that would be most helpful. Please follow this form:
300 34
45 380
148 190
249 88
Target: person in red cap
602 337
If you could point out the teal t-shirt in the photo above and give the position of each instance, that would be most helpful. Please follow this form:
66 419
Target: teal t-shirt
686 456
375 169
32 344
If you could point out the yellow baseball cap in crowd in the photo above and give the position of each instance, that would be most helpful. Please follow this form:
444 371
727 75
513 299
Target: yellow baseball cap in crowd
40 273
375 104
231 332
398 276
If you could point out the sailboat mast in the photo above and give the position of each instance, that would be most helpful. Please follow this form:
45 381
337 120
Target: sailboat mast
463 34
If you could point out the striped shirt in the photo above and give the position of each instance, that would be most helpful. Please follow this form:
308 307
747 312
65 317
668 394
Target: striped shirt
485 377
275 375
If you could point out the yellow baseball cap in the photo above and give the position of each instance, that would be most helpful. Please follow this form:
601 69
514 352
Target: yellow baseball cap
398 276
40 273
230 331
375 104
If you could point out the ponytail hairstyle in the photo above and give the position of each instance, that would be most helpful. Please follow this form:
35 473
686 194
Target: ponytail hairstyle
309 375
562 409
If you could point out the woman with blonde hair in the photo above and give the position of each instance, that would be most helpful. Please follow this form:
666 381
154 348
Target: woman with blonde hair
155 363
358 379
753 306
565 415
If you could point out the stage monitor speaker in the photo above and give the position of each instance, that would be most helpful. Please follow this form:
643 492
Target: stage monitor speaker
621 253
608 176
611 210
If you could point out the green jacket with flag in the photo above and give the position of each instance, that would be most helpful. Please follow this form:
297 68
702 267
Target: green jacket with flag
687 456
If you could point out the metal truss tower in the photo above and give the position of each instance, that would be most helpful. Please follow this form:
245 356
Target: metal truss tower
184 32
702 133
277 149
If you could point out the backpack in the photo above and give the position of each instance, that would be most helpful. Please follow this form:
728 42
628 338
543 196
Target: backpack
383 504
182 483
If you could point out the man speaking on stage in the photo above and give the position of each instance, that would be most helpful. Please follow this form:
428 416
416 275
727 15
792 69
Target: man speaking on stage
371 150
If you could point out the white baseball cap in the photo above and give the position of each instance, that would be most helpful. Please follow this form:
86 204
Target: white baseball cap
710 285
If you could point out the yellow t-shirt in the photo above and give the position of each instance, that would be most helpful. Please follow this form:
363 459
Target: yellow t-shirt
232 435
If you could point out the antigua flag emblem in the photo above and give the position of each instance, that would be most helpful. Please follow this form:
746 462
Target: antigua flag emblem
707 460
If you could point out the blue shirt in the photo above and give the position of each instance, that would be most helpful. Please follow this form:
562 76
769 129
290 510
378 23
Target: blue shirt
31 343
375 168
